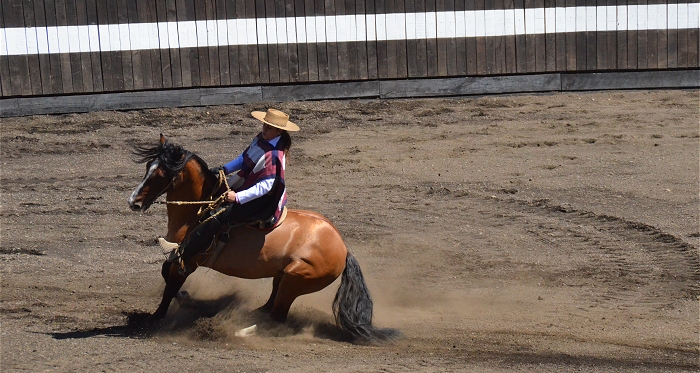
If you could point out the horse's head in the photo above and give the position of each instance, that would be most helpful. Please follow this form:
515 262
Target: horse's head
164 164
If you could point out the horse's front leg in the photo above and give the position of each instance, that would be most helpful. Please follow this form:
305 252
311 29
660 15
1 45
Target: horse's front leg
173 282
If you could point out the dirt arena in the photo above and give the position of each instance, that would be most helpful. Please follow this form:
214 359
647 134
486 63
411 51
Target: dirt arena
548 233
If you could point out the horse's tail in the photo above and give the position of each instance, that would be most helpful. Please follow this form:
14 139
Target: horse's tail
352 306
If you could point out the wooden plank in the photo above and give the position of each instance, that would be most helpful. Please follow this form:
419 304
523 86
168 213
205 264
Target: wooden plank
570 16
214 74
491 41
581 36
76 65
372 63
382 45
321 91
550 39
540 41
137 63
481 50
521 41
509 53
451 52
105 57
228 55
270 60
239 56
311 45
652 42
302 47
127 56
162 67
257 56
412 45
622 39
20 81
331 48
414 67
85 57
361 46
631 80
222 51
632 42
201 70
601 36
344 49
289 59
560 37
662 41
184 79
44 62
5 86
55 76
114 72
500 42
694 46
532 50
391 45
190 56
95 60
642 44
33 64
401 54
470 85
153 78
460 43
143 74
591 39
176 58
611 36
682 57
672 51
66 73
442 42
321 45
471 41
352 47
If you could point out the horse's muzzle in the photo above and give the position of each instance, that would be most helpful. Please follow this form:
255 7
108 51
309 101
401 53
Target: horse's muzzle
135 205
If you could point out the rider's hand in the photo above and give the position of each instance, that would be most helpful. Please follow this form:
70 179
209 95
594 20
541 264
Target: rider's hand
215 170
230 196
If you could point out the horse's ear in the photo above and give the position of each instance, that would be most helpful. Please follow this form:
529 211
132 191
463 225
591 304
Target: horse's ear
163 140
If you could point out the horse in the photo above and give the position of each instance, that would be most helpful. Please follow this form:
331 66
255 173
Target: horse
304 254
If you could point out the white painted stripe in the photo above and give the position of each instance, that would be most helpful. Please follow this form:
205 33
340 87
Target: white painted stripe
519 21
509 25
346 28
693 16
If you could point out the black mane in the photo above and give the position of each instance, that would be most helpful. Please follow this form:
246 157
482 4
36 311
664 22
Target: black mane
172 157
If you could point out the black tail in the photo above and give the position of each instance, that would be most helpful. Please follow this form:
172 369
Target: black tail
352 306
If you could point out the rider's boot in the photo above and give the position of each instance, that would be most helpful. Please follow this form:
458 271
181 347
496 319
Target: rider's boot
198 241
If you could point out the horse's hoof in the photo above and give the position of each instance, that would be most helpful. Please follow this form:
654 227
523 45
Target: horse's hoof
247 332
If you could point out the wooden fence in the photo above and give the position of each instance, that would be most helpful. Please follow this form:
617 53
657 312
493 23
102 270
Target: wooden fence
58 47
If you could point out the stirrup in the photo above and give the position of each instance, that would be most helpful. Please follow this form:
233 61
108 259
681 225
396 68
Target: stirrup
167 246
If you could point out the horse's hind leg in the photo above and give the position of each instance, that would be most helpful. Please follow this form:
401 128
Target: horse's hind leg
291 286
267 307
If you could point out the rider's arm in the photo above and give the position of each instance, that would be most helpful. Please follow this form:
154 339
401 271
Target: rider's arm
234 165
258 190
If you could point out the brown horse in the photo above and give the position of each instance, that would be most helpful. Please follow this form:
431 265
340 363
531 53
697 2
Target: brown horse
303 255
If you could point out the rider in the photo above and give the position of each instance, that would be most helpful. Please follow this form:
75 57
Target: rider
258 189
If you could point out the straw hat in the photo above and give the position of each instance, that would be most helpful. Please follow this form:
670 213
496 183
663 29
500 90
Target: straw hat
276 119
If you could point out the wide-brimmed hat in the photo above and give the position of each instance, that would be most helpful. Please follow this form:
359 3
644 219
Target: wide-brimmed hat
276 119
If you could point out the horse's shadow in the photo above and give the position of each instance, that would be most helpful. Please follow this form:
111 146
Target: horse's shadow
207 320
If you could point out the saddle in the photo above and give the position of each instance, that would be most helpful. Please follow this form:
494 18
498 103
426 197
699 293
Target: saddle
221 238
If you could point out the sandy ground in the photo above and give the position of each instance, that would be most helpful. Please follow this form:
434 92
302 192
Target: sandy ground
549 233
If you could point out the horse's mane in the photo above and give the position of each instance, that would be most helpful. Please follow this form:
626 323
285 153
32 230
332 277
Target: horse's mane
172 157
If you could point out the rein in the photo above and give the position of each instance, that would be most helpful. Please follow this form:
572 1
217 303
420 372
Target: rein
211 204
